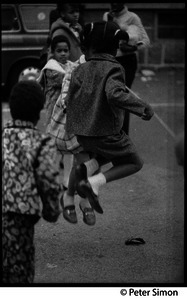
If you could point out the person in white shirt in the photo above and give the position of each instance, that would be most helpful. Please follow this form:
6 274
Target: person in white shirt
127 52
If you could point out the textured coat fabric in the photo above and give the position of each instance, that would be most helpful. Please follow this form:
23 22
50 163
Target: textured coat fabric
30 190
59 27
97 98
18 248
28 160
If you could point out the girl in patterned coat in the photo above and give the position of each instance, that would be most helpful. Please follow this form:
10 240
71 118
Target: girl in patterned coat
53 72
51 78
31 188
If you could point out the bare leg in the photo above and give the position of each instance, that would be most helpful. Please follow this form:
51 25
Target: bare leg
78 158
126 169
88 213
122 167
71 184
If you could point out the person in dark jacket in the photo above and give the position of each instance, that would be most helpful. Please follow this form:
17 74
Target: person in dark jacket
55 13
96 102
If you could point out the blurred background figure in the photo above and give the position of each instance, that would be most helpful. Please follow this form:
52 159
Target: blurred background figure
179 149
64 20
55 14
68 25
127 52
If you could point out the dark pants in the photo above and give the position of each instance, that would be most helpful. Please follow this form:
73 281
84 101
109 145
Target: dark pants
18 248
129 63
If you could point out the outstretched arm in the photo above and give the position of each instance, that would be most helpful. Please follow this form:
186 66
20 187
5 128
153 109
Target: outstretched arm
120 96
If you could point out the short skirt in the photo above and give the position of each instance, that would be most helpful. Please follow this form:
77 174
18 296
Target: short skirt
110 147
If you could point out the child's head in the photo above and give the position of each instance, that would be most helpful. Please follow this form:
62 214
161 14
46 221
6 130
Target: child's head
102 37
117 7
26 101
69 12
60 48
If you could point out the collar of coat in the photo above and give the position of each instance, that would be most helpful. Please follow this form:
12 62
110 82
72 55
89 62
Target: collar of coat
103 56
52 64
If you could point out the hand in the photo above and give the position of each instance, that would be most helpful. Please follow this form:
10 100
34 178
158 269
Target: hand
148 113
124 47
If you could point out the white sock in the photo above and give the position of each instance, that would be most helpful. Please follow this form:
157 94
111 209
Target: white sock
92 166
68 200
84 202
68 163
96 181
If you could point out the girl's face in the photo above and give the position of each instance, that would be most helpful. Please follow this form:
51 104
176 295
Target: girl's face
71 15
61 52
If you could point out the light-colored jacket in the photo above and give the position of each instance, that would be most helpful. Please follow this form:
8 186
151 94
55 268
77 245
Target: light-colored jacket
131 23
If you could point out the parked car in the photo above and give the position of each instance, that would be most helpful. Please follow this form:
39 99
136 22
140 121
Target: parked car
25 28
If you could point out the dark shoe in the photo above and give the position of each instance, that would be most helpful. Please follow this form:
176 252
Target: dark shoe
81 174
135 241
88 215
69 212
84 188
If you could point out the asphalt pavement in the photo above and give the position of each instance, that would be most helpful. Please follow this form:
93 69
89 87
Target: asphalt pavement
148 205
